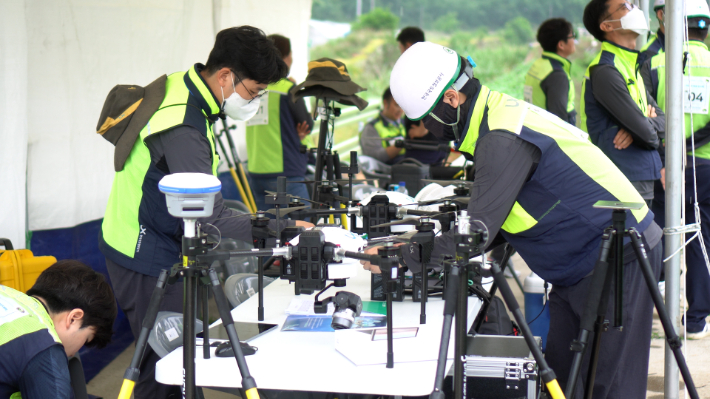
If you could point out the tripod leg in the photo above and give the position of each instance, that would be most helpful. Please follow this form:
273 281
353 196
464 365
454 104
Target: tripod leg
548 376
515 275
586 326
450 299
671 336
460 335
204 297
600 326
248 383
507 253
132 372
189 315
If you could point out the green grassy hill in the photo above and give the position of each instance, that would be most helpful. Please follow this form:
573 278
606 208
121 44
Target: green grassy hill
370 56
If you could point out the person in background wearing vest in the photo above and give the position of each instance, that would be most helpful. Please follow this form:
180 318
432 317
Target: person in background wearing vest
417 131
408 36
548 83
697 279
535 184
138 236
274 137
69 306
622 119
656 43
378 138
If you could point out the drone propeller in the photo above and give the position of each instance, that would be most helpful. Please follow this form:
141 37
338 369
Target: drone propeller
460 200
281 212
285 211
298 198
339 181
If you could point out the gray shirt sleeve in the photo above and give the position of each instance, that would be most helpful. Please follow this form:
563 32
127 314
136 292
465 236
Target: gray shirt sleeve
300 113
371 144
609 89
186 150
504 163
556 89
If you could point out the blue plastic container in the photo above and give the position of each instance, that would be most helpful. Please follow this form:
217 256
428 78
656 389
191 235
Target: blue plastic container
534 291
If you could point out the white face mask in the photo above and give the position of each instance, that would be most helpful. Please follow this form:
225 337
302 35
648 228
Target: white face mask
633 21
238 108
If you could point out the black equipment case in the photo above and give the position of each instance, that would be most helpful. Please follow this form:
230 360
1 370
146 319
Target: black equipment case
411 172
498 367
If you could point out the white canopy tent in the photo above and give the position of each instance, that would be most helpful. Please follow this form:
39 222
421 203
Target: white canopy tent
58 61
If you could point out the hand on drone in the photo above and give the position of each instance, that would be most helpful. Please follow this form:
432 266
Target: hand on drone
373 251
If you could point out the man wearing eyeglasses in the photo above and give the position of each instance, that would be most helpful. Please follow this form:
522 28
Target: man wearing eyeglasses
548 83
622 119
138 236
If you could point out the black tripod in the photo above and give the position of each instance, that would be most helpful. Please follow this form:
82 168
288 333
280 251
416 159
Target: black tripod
470 243
599 293
196 275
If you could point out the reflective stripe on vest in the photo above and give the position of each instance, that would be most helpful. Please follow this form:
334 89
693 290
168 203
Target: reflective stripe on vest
264 144
553 223
121 228
538 72
697 65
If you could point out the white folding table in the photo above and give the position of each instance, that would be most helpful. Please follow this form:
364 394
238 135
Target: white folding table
308 361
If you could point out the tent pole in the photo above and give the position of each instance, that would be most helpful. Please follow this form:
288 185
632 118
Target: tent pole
675 153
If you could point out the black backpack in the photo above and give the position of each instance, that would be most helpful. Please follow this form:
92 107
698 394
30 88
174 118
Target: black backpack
497 321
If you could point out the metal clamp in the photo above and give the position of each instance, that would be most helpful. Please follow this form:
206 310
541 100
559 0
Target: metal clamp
688 228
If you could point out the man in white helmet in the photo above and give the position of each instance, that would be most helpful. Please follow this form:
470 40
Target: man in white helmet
656 43
696 68
536 179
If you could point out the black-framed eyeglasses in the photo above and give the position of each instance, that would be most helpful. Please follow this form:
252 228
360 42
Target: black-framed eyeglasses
258 95
572 35
626 5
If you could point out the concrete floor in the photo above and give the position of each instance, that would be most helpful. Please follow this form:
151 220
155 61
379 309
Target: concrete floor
108 382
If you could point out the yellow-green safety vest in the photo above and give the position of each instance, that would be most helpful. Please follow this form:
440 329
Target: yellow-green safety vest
697 76
553 223
538 72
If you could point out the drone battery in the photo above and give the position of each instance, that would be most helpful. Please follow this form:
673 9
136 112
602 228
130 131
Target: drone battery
377 289
309 263
500 367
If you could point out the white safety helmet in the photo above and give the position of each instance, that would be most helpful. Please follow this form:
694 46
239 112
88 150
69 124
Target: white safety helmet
697 9
422 74
658 4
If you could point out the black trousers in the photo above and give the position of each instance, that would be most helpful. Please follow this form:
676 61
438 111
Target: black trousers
623 358
697 280
133 291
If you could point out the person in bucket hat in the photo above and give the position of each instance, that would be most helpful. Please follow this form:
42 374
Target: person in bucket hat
167 127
